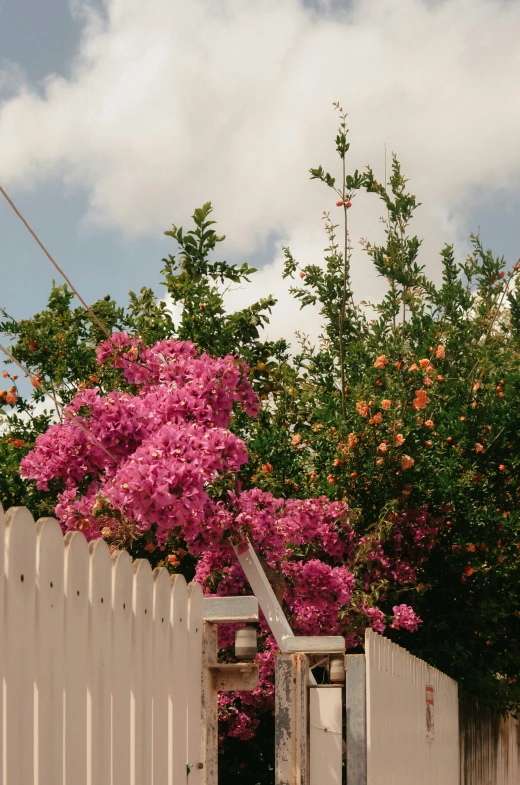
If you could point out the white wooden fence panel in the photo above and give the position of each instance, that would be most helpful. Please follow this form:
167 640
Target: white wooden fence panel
50 652
141 673
100 663
398 750
122 584
19 654
193 679
76 663
99 696
161 667
2 641
177 682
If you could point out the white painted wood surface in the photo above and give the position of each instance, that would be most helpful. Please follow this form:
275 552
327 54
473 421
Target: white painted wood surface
141 705
100 663
226 610
76 657
122 589
265 595
326 735
194 681
178 685
20 643
398 752
160 671
315 644
50 652
99 685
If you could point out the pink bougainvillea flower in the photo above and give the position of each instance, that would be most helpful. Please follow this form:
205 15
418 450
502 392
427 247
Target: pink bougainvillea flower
405 618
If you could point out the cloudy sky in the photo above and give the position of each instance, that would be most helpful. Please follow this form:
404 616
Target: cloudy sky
118 117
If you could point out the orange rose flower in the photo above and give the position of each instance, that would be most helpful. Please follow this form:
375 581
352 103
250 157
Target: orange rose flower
11 398
399 439
381 361
386 404
429 424
440 352
413 367
479 448
296 439
469 570
377 419
424 363
383 447
407 462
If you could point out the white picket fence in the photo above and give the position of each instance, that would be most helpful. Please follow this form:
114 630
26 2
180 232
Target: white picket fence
100 661
402 748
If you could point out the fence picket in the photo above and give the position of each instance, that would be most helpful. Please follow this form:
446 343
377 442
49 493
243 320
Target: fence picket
50 659
19 654
122 587
76 665
99 670
195 615
141 675
160 671
177 683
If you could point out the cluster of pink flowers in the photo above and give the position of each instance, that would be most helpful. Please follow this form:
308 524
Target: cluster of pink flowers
148 457
151 455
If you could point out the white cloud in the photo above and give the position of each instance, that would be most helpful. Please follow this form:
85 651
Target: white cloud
173 103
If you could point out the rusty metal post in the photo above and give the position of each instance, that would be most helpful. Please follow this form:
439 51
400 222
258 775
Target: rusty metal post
291 719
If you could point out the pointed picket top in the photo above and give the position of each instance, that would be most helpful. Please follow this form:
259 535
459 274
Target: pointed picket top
19 653
160 667
99 665
50 643
177 683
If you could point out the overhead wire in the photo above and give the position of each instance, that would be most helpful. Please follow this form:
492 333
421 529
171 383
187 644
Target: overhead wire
54 263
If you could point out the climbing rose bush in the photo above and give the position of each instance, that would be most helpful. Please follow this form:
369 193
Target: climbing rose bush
150 460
